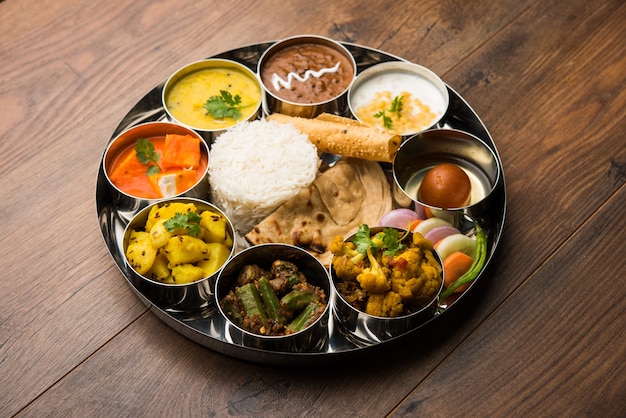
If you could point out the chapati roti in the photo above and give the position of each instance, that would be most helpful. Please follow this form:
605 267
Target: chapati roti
350 193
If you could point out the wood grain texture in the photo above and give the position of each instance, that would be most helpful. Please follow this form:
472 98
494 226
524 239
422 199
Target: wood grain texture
545 77
554 348
562 152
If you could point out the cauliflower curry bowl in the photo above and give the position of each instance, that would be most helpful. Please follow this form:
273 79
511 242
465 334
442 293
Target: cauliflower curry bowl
387 281
174 250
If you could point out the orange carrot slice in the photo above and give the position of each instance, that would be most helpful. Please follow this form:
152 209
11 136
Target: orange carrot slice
414 223
185 179
454 266
126 168
180 151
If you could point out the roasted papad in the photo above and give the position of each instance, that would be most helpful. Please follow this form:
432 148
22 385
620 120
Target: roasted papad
350 193
343 136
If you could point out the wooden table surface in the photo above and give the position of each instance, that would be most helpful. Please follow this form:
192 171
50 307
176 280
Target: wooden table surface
541 335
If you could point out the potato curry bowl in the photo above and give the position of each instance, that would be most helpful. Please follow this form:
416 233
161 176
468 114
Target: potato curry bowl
387 281
175 249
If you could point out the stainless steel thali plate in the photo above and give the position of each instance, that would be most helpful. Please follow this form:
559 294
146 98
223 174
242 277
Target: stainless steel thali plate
209 328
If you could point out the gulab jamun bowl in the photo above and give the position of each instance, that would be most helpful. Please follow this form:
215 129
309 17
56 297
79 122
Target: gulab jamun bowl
400 97
174 250
305 76
447 170
155 161
212 95
388 292
275 297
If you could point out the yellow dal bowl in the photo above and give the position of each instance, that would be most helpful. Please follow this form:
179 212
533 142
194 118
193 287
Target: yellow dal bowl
188 89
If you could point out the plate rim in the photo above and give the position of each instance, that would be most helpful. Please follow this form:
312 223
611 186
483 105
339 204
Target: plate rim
111 222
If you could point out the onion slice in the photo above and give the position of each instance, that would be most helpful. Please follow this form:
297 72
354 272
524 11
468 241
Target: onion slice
425 226
440 232
399 218
456 242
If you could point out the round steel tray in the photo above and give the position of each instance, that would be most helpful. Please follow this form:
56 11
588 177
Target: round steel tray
209 329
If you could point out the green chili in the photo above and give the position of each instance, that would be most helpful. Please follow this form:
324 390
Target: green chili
475 269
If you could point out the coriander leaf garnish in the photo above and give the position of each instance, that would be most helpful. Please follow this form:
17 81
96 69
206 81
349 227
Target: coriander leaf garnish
224 106
144 150
362 239
189 222
396 107
387 122
389 240
392 241
152 170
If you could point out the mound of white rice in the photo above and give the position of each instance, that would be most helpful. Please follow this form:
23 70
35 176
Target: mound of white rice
256 166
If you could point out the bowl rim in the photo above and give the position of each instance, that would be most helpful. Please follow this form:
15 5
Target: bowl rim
202 64
144 213
259 247
306 38
111 151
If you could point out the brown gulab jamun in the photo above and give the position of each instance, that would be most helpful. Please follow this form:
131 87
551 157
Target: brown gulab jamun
445 186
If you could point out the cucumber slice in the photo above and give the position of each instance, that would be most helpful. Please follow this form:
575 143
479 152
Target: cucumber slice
456 242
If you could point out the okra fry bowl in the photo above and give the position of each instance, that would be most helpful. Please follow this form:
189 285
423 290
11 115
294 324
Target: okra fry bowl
275 297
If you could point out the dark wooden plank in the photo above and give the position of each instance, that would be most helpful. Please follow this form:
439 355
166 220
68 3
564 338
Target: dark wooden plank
72 70
555 105
555 347
150 370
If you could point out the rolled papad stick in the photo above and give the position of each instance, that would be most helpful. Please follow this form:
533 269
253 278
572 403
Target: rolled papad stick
337 135
329 117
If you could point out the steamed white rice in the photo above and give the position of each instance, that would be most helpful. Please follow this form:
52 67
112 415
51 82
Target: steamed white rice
256 166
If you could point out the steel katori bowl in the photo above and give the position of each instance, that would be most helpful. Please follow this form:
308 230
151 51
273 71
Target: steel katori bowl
196 296
128 201
418 154
365 329
311 338
423 96
305 76
212 95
